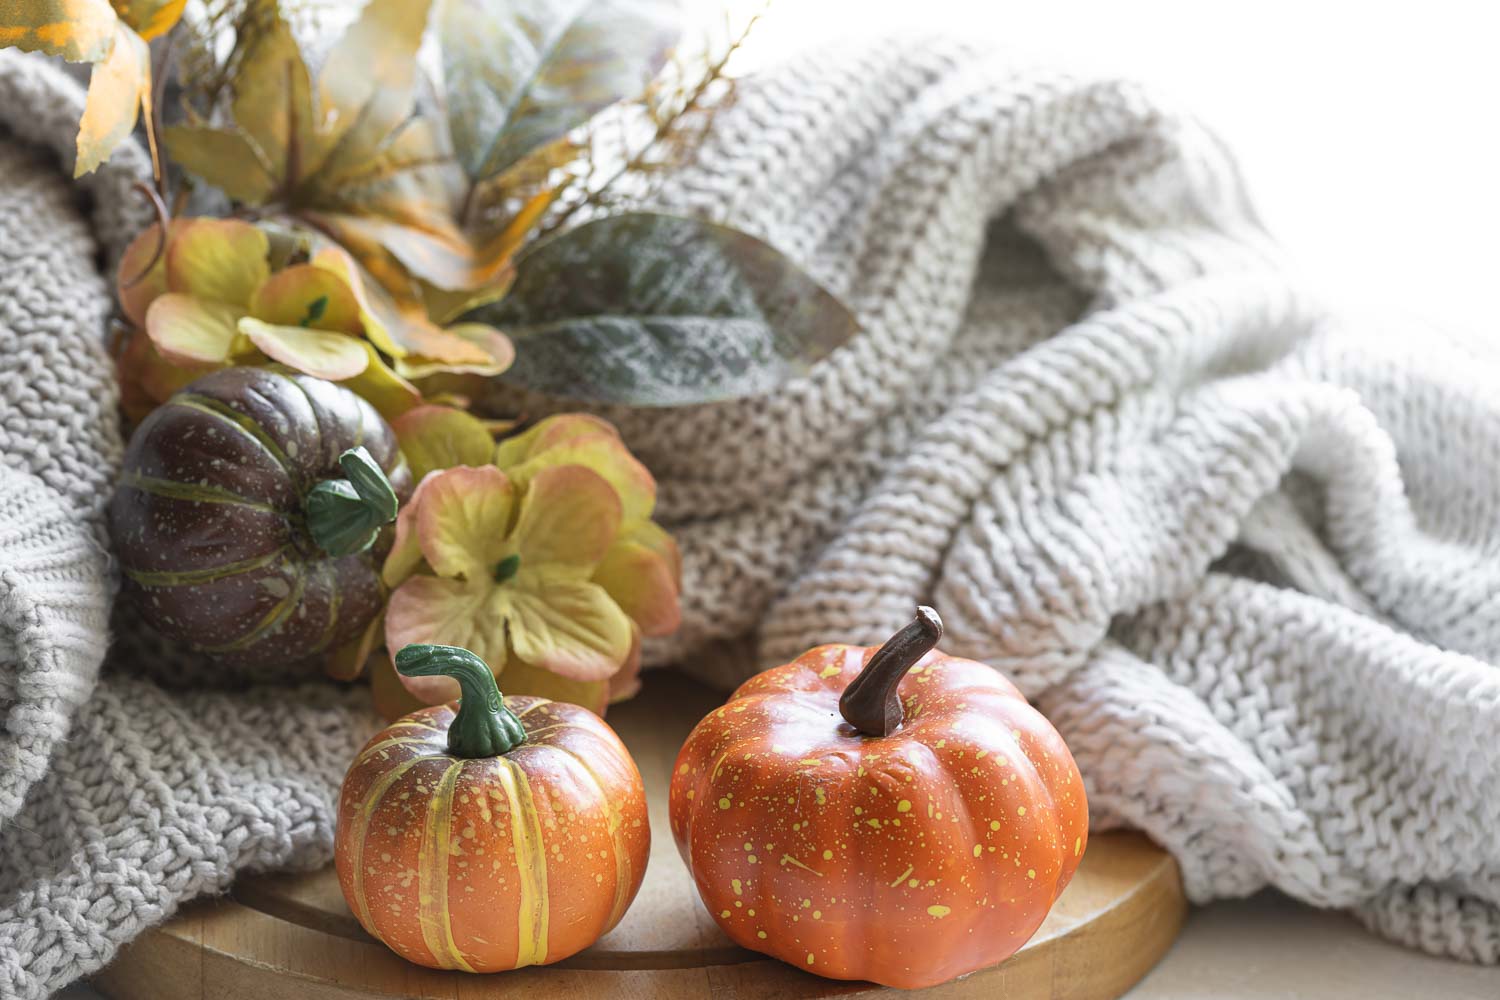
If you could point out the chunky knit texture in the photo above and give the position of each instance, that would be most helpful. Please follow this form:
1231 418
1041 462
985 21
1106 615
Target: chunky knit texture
1240 551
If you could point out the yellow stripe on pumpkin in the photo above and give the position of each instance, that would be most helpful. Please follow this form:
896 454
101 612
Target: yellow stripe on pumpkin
531 865
361 830
392 742
432 874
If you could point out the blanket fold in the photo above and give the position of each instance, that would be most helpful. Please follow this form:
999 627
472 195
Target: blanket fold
1241 550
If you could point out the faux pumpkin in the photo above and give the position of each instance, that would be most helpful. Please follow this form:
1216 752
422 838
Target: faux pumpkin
490 833
246 510
896 815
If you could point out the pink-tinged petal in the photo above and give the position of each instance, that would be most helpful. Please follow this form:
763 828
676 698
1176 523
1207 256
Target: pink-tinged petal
498 354
334 356
388 392
136 290
220 259
569 517
570 627
450 613
306 296
654 537
377 311
640 581
549 433
464 520
522 678
440 437
406 553
192 331
576 439
627 683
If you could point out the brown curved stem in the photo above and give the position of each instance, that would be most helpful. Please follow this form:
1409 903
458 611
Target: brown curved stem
871 703
163 220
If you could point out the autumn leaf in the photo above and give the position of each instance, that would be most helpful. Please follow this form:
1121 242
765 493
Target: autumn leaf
344 152
77 30
113 38
659 310
520 75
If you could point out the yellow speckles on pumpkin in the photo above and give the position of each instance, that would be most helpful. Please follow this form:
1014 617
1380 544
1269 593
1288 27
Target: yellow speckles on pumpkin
761 935
817 914
981 755
724 802
724 914
1077 846
859 810
749 846
753 859
994 824
903 875
683 769
738 887
978 850
829 671
809 762
820 795
874 823
903 806
861 771
810 958
1031 873
751 912
828 855
1020 810
938 910
940 744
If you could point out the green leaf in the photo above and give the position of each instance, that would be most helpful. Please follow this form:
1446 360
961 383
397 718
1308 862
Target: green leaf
656 310
522 73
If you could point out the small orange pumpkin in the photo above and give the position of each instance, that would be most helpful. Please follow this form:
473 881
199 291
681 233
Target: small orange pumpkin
823 831
490 833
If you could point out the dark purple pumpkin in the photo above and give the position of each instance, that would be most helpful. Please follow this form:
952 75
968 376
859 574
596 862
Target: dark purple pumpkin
211 516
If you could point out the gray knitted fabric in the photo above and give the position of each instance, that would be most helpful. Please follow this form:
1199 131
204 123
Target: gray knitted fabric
1240 551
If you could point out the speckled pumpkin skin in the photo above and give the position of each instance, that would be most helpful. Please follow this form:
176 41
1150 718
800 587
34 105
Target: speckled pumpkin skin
207 519
906 860
492 863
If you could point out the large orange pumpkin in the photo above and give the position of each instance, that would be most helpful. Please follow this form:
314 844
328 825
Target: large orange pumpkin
824 830
490 834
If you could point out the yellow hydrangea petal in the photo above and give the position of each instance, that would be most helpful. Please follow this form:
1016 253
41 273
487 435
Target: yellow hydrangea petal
463 522
220 259
334 356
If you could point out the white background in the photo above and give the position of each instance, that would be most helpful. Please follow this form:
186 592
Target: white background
1367 132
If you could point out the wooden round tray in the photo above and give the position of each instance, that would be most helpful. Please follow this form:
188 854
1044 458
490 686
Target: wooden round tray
292 936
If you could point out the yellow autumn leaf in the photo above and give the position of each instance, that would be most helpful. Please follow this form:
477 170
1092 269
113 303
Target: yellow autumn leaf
118 86
77 30
150 18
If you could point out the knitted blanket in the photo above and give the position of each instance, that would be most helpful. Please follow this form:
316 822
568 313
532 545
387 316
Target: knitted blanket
1240 551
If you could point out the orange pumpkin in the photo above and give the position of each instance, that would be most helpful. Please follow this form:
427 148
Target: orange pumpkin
490 833
824 831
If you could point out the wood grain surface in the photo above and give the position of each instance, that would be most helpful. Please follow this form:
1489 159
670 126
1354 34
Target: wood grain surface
291 936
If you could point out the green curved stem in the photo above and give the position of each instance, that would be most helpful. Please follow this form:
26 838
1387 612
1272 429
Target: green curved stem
483 727
872 702
345 515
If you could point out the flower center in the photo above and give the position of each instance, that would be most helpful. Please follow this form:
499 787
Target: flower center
506 568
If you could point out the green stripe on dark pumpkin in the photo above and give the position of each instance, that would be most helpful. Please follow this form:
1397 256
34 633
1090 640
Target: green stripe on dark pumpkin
240 421
194 492
270 624
184 577
335 598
